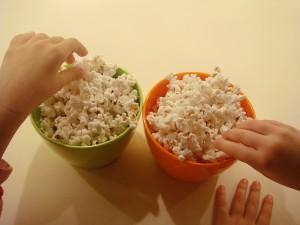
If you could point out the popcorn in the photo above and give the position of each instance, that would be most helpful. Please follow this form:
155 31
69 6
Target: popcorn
193 113
94 109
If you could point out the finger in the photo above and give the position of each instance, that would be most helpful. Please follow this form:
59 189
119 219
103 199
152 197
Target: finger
252 202
221 210
6 170
71 45
67 75
237 150
239 199
274 122
55 40
70 59
265 214
257 126
21 39
38 37
280 125
245 137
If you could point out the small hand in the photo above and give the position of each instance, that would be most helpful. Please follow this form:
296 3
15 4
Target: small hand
271 147
30 72
243 211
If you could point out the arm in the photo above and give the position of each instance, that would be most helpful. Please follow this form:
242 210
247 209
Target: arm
30 74
268 146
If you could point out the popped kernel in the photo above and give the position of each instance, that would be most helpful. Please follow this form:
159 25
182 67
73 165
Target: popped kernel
94 109
194 113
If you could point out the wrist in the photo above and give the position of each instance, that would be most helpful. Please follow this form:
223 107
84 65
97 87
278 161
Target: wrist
9 123
14 103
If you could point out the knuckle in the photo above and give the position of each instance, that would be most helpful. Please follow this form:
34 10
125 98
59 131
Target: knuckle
55 52
10 52
15 38
274 152
265 162
72 40
38 45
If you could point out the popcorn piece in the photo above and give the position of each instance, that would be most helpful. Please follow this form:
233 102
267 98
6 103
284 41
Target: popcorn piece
94 109
194 113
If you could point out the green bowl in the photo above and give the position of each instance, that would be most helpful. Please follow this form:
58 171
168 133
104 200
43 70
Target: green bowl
94 156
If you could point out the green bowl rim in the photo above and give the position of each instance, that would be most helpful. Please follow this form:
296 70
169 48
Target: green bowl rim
127 130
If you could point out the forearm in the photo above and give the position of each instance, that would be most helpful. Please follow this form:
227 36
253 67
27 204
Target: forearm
29 74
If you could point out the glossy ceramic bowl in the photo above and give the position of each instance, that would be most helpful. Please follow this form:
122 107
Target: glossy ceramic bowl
182 170
95 156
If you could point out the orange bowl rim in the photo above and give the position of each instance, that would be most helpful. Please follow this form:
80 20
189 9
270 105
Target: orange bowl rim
159 146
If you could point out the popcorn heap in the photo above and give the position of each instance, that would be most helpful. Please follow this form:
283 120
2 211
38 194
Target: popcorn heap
194 113
94 109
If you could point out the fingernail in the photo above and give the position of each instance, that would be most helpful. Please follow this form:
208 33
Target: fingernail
79 72
218 140
221 188
269 198
244 181
256 184
84 51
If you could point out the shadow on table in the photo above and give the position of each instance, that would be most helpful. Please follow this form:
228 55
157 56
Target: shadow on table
124 192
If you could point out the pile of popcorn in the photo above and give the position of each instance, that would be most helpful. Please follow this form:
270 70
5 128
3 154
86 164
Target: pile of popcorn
194 113
94 109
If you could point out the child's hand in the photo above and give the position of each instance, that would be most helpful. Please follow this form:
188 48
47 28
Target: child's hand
243 211
268 146
30 70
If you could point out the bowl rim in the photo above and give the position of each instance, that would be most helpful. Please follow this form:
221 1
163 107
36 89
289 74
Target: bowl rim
160 147
86 147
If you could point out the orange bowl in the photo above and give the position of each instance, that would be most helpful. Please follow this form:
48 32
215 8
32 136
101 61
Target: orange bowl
182 170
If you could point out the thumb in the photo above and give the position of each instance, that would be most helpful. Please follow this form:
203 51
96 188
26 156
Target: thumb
70 74
6 170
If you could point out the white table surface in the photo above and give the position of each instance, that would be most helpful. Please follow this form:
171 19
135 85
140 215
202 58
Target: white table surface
256 43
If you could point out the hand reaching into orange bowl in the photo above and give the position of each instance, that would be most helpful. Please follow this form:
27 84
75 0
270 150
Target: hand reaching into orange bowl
184 114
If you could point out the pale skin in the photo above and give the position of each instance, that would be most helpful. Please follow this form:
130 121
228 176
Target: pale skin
270 147
30 74
244 210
